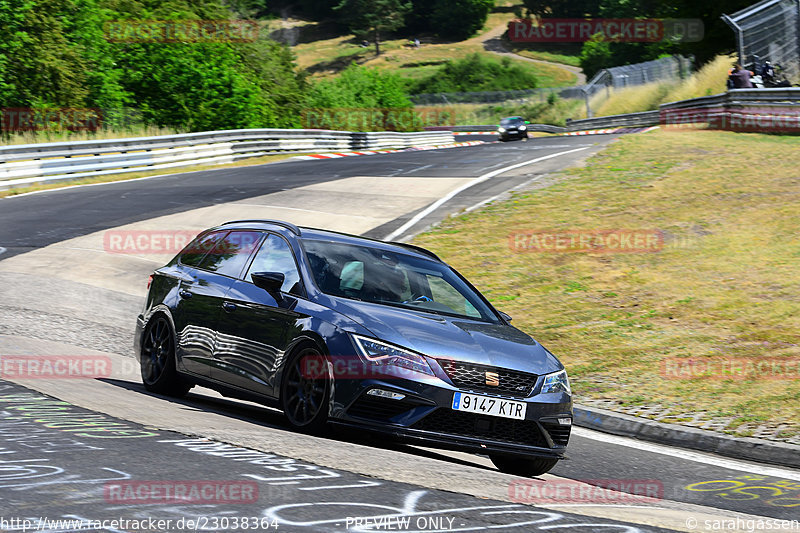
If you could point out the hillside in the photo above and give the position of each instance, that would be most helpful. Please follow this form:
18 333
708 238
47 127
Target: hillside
324 50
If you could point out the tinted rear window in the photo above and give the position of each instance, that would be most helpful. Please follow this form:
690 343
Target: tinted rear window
230 254
193 254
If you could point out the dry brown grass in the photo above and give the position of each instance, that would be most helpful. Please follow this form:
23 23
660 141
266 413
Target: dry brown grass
710 79
32 137
725 285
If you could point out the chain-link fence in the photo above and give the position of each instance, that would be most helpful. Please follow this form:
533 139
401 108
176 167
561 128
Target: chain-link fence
769 31
491 97
664 69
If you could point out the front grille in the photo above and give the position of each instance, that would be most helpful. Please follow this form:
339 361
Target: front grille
559 433
472 377
483 427
381 409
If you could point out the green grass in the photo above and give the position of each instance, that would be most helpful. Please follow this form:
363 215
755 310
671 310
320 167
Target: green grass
567 53
726 283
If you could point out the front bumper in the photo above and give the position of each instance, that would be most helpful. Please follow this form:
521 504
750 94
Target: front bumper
508 135
425 416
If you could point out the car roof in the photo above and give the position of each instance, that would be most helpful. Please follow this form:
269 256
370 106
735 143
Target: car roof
303 232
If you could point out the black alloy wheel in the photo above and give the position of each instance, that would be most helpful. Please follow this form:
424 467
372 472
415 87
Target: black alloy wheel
305 390
158 360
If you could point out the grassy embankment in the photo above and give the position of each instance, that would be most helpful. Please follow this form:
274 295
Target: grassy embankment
725 285
324 52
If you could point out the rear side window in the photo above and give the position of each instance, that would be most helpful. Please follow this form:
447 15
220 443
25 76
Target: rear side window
231 253
193 254
276 256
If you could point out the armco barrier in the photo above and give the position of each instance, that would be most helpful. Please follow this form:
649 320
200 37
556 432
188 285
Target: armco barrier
745 110
632 120
22 165
492 129
765 110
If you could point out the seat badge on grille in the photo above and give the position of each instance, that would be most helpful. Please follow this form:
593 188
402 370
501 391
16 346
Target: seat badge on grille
493 379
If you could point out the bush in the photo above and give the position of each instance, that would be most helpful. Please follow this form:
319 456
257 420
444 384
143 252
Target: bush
474 73
361 99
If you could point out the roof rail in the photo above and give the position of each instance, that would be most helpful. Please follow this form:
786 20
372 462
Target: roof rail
418 249
291 227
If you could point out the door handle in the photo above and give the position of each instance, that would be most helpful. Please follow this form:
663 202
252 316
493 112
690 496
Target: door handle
229 307
185 294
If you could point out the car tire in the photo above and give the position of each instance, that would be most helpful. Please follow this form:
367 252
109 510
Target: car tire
519 466
157 360
305 392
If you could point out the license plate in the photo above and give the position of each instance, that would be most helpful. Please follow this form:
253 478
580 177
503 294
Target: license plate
486 405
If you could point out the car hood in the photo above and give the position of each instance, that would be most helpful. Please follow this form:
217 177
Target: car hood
440 336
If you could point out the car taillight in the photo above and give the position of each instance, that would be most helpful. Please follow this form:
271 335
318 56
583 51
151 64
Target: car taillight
149 281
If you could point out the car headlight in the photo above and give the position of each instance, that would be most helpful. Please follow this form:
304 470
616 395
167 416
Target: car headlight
501 129
381 353
523 128
556 382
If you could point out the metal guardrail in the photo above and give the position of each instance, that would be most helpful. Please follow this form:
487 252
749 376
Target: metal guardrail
22 165
632 120
491 129
717 109
753 110
789 95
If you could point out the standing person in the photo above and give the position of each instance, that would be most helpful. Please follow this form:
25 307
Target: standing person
740 77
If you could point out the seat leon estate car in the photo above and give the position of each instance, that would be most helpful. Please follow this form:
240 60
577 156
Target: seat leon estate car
336 329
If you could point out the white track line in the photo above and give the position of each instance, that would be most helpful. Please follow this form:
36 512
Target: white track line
2 250
687 455
431 208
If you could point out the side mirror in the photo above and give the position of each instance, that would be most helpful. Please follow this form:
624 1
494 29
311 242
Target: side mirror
505 316
269 281
527 122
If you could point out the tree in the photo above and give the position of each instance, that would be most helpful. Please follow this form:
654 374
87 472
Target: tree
373 17
459 19
563 8
595 55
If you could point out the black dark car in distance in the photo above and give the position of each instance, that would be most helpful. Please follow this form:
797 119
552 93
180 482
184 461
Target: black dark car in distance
339 329
513 128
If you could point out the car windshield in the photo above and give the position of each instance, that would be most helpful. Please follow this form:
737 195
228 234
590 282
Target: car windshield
513 121
395 279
